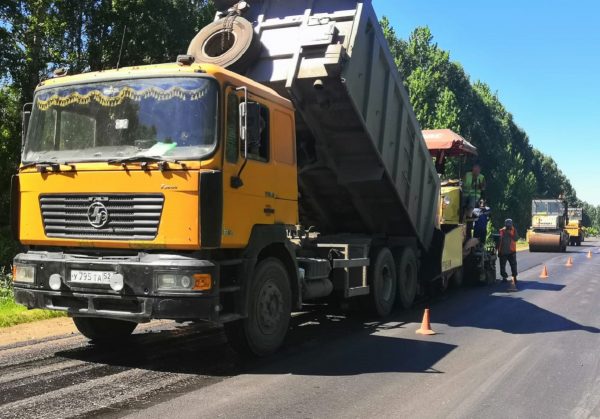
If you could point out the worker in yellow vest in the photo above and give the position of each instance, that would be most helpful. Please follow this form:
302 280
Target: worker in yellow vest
473 189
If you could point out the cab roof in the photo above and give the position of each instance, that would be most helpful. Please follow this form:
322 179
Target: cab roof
448 141
164 70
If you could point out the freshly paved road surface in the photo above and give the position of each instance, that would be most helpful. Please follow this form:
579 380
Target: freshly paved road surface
531 354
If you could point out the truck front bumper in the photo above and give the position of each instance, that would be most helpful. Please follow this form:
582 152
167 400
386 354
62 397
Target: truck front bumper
140 300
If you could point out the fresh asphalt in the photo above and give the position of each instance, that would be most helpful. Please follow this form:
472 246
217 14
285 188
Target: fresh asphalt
530 354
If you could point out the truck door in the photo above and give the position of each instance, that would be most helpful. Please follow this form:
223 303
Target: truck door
252 201
283 146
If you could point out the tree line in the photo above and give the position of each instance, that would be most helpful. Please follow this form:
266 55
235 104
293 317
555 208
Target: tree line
444 96
39 36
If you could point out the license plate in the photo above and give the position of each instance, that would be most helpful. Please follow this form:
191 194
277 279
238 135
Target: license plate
91 277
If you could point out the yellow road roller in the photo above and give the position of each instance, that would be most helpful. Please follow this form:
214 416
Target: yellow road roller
548 221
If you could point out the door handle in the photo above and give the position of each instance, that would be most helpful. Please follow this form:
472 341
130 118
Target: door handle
269 211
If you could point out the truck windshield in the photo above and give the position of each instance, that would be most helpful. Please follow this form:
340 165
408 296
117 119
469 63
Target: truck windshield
547 208
172 117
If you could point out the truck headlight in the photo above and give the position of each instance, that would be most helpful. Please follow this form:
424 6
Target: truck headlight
184 282
24 274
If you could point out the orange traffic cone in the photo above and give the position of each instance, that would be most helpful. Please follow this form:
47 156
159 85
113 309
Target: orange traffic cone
544 274
513 285
425 326
569 262
589 255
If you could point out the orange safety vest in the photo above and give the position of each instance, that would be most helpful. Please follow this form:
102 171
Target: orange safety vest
511 236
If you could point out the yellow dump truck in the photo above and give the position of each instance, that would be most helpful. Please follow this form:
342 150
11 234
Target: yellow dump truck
189 191
574 227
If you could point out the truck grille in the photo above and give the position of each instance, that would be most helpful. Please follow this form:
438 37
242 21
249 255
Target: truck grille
102 217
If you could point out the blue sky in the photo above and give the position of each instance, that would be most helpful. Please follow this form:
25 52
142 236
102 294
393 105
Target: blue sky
543 59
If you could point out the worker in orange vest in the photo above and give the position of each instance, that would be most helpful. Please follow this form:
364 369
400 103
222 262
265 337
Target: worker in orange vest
507 250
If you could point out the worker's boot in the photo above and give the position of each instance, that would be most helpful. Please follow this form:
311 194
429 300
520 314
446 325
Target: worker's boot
512 287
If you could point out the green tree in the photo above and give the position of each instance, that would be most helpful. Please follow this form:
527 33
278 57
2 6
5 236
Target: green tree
443 96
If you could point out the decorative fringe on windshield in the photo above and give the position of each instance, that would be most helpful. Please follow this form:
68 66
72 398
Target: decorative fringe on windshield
115 100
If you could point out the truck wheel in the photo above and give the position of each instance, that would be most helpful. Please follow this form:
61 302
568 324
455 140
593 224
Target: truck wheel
579 241
407 277
443 283
228 42
100 330
383 282
269 308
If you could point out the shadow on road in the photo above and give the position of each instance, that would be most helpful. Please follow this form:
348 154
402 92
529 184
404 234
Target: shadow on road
516 316
540 286
357 346
187 349
509 313
325 342
319 343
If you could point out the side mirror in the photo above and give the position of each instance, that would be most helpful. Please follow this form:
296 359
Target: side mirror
25 117
249 125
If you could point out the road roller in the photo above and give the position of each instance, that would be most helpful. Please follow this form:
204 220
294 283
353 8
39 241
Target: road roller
548 220
574 226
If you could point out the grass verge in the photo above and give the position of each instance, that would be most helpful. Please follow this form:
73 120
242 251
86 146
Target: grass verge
522 245
12 313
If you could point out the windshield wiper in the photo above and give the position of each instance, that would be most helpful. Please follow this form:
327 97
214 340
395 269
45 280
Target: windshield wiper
42 166
163 162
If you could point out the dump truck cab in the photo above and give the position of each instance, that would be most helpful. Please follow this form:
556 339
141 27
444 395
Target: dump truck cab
128 196
548 221
574 227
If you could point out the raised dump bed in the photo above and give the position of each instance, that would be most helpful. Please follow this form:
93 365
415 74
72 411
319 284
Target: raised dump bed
363 164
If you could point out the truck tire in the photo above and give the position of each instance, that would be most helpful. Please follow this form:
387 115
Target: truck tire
269 309
100 330
235 48
383 282
407 273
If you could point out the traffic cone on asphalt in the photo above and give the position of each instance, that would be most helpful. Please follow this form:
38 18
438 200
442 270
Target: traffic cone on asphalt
569 262
425 326
544 274
589 255
513 285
